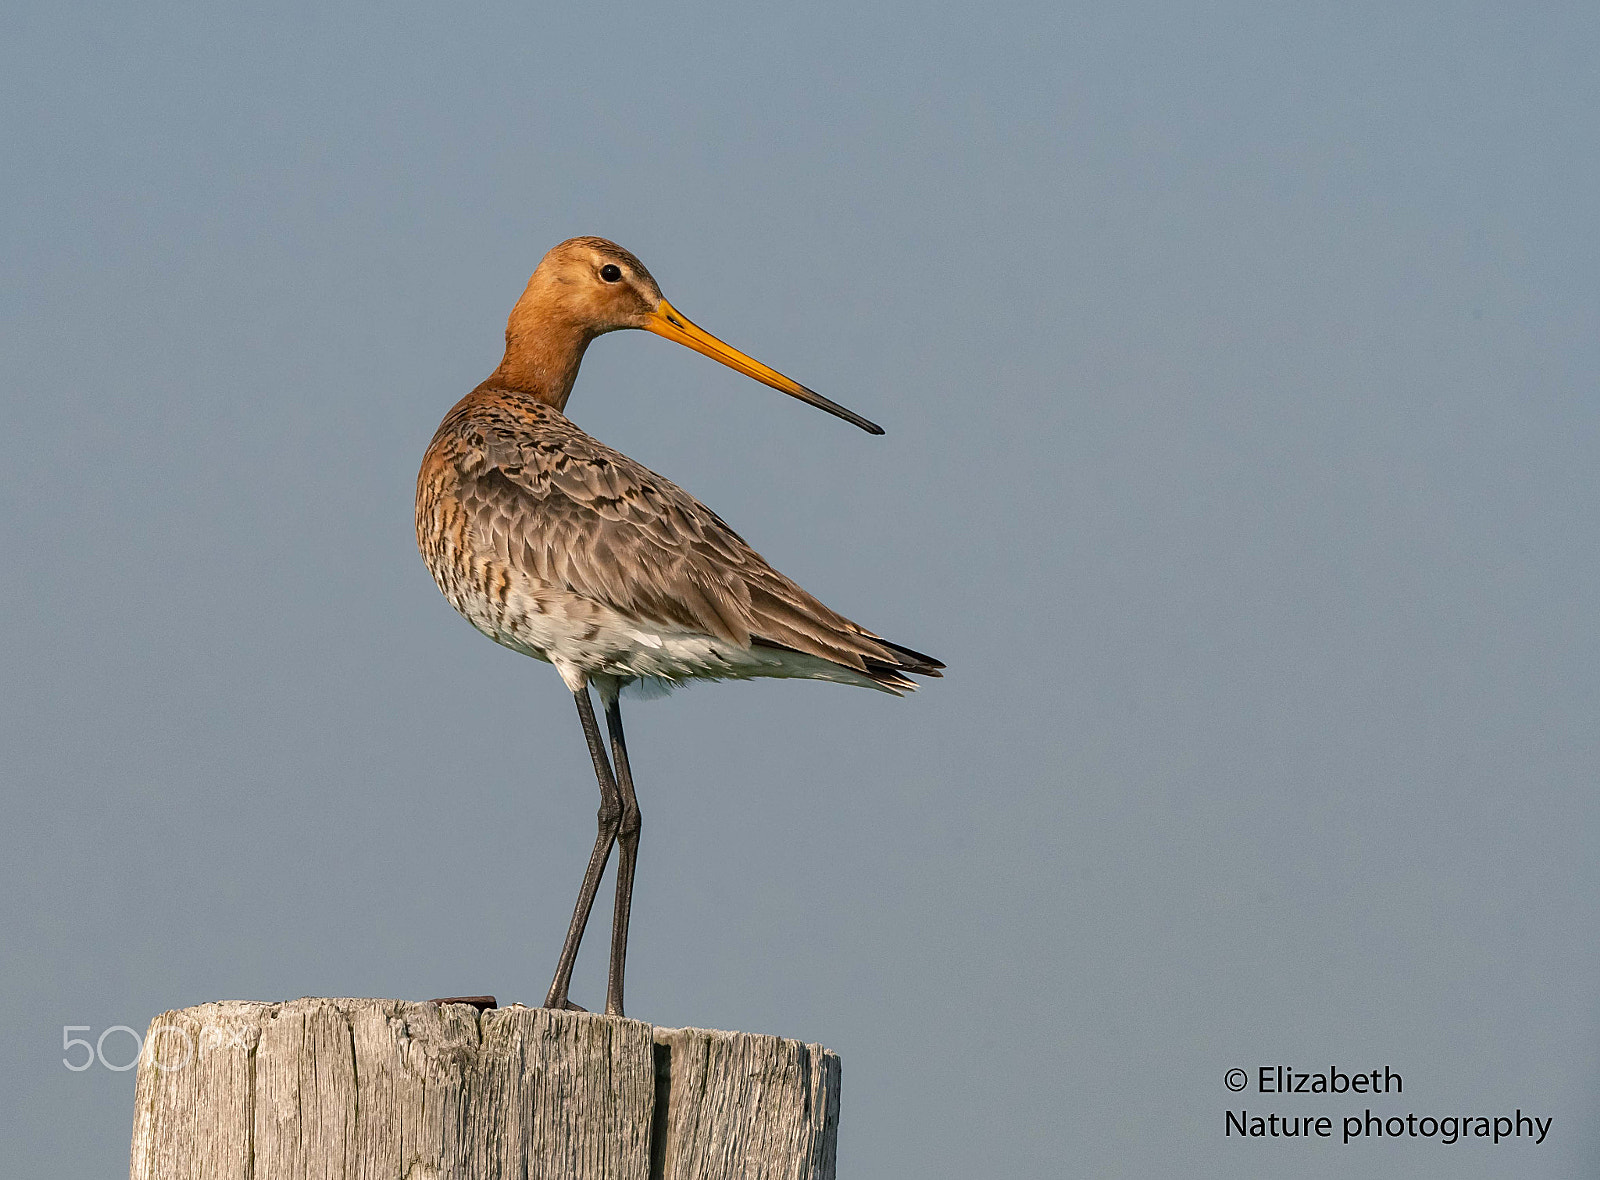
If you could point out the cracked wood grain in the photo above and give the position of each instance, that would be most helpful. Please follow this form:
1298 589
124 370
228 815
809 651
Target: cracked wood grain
341 1089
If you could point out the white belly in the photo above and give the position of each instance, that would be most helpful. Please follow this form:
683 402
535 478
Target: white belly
584 638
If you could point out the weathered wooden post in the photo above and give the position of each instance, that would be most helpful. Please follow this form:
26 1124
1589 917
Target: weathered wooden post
393 1090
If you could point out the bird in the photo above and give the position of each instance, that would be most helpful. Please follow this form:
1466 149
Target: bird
557 546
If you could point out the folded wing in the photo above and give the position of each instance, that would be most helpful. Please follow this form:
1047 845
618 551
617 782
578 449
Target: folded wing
568 511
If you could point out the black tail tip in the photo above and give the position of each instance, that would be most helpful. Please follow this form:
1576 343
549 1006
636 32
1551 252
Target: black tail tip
912 660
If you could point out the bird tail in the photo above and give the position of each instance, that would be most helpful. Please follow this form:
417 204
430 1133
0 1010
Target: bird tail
891 673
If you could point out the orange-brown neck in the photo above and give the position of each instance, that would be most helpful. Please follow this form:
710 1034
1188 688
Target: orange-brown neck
543 353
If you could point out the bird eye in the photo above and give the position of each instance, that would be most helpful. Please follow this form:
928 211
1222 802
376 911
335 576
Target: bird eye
610 272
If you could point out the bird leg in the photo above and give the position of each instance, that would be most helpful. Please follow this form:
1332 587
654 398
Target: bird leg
610 817
627 856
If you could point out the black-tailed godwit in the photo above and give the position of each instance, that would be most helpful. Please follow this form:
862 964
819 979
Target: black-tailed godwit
561 548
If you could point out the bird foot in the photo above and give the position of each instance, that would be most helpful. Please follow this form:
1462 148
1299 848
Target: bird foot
567 1006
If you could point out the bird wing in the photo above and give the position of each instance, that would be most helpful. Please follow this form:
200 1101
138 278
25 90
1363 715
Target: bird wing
565 510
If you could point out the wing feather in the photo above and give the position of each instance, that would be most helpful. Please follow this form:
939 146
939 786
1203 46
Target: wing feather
563 509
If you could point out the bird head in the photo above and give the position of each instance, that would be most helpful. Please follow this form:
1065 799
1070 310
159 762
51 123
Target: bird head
586 287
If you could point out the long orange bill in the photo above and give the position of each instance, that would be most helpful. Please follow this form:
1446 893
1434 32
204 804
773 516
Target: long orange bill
668 321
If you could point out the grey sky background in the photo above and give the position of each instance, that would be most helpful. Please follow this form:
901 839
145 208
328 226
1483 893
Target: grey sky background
1240 369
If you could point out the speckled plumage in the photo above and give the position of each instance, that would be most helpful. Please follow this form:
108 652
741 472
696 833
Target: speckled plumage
559 547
